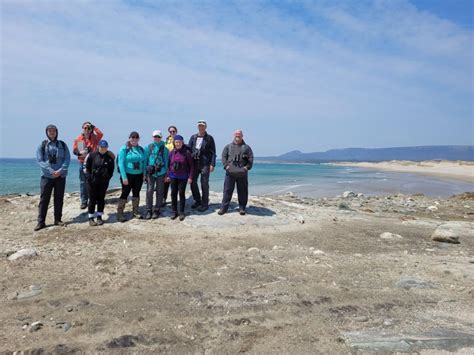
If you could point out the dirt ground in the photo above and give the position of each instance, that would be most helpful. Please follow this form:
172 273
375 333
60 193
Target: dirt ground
293 276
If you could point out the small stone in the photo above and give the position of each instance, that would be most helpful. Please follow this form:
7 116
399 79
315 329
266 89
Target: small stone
348 194
27 294
69 309
253 249
361 319
319 252
388 235
29 252
432 208
300 219
36 326
408 282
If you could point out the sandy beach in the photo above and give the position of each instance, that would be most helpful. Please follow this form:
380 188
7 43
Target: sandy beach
457 170
296 275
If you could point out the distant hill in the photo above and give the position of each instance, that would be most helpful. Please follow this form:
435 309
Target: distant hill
448 152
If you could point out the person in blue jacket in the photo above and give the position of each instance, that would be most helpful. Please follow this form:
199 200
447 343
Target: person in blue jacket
131 162
157 166
53 159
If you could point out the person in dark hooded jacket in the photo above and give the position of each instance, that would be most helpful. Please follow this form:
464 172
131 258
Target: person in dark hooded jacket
53 159
98 169
237 159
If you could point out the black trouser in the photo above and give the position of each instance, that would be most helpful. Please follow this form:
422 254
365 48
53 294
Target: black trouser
242 191
165 191
47 185
135 182
204 172
178 185
96 192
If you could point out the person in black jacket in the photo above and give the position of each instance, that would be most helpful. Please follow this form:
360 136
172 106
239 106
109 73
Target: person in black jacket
99 168
204 154
237 158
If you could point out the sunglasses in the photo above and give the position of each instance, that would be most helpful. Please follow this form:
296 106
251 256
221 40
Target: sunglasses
88 128
156 136
172 131
135 137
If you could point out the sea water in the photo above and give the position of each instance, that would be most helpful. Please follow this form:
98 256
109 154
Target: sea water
20 176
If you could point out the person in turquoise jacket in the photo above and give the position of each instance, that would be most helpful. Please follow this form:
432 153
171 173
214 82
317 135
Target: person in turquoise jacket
157 164
131 162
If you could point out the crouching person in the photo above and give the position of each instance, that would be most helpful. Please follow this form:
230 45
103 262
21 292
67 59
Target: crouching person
99 168
237 159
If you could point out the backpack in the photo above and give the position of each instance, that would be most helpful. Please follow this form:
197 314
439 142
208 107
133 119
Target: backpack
45 143
127 150
160 151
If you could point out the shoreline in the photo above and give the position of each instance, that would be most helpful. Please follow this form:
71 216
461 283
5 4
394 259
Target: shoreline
450 170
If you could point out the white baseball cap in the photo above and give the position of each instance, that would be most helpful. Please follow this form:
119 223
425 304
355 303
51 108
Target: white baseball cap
201 123
157 133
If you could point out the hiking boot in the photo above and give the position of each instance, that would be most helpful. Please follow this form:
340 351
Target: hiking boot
202 208
92 222
99 221
164 203
221 212
60 223
148 215
156 214
120 208
135 203
40 226
242 212
195 205
83 205
175 215
181 216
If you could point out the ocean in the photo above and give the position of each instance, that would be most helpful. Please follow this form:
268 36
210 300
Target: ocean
21 176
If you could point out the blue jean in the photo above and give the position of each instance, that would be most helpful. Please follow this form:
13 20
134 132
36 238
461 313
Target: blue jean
83 186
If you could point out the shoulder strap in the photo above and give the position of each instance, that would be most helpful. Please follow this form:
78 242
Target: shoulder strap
43 146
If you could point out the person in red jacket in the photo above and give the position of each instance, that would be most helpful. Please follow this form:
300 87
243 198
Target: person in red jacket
84 144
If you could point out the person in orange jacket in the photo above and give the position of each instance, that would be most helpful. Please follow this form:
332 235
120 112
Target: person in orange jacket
84 144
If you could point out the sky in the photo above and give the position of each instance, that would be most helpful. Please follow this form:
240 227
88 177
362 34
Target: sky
293 75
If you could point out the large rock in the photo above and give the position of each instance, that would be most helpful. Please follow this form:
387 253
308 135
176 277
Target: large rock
451 232
373 341
29 252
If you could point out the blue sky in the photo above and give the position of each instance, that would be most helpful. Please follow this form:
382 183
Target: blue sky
307 75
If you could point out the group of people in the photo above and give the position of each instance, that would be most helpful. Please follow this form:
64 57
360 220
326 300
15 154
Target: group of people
161 164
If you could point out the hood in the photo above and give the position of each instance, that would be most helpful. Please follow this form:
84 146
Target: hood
57 132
